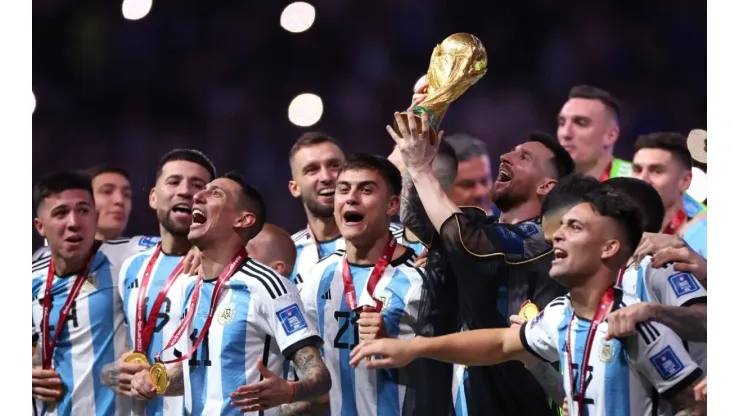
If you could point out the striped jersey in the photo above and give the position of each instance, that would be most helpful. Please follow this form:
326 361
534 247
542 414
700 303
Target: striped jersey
630 376
131 244
459 401
259 316
94 333
308 253
668 287
357 391
168 317
695 235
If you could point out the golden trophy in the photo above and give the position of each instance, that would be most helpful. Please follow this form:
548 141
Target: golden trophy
456 64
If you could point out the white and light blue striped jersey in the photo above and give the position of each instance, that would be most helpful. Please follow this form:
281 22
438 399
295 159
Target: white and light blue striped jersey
695 236
259 316
307 254
94 333
130 244
358 391
168 318
459 401
631 376
417 246
668 287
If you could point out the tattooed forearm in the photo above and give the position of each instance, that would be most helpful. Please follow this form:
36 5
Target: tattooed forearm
413 216
177 382
550 380
684 401
316 380
110 375
688 323
304 409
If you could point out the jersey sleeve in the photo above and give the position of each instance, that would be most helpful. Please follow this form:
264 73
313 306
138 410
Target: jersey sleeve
658 354
411 308
284 317
675 288
122 278
540 335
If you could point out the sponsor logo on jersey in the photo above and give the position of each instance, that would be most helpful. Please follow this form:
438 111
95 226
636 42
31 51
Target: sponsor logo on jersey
667 363
291 319
683 284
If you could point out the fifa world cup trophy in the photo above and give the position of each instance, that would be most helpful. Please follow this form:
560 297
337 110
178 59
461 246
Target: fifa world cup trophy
456 64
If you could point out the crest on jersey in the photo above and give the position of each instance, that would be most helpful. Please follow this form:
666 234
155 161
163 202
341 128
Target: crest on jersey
226 315
385 299
606 353
90 283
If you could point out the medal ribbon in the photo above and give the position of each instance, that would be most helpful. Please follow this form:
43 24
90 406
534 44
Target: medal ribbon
675 223
315 241
225 275
620 276
145 324
607 172
349 287
49 342
599 316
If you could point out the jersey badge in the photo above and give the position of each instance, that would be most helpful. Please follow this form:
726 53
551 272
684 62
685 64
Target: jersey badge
226 316
89 284
149 241
384 298
606 353
683 284
291 319
667 363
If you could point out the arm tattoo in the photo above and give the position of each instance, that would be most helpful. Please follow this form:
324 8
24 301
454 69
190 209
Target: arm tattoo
684 401
316 380
109 376
689 323
413 215
550 380
304 409
177 382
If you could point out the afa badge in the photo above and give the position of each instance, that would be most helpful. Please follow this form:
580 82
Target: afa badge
291 319
606 352
226 316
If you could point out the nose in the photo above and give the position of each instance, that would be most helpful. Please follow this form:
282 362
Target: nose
200 197
186 189
644 176
558 235
75 221
481 189
326 175
118 197
506 158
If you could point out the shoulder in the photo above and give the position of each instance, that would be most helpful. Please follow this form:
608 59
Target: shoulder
263 280
40 266
328 260
136 260
43 252
405 264
300 236
397 230
554 312
119 249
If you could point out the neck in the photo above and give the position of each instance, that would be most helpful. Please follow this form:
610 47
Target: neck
366 253
586 298
521 212
66 266
323 229
172 244
104 235
671 212
215 258
597 168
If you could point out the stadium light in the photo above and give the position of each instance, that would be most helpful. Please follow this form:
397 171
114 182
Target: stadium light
305 110
136 9
298 17
33 102
698 187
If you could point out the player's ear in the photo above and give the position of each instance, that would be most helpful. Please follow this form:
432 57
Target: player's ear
546 186
245 220
278 266
393 206
611 249
685 180
294 189
39 227
152 199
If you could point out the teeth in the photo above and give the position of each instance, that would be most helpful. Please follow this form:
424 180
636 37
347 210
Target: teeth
196 211
326 192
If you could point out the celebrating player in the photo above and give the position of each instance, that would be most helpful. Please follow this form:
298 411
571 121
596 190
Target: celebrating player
369 291
601 377
148 280
315 161
274 247
233 359
76 312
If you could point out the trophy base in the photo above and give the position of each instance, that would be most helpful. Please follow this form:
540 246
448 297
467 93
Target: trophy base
433 121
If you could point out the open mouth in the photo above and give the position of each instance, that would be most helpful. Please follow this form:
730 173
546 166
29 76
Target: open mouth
183 209
504 175
199 217
353 218
326 192
560 254
74 239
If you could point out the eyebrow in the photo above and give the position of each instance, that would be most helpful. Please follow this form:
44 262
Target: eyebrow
358 184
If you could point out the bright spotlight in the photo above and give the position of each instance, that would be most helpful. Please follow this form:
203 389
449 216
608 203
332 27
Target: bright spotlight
33 102
136 9
298 17
305 110
698 187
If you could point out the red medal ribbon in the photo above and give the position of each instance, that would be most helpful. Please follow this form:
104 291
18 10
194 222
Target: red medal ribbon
607 173
315 241
225 275
145 324
49 342
599 316
675 223
621 276
349 287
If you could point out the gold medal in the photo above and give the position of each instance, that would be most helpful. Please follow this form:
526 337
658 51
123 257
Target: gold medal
137 358
528 311
160 378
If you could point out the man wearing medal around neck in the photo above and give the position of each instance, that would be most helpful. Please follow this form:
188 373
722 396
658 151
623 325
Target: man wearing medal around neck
240 320
606 377
370 290
76 313
315 161
148 283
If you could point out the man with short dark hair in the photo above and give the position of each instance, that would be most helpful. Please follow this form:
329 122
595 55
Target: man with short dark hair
497 266
473 181
663 160
259 318
315 160
112 191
